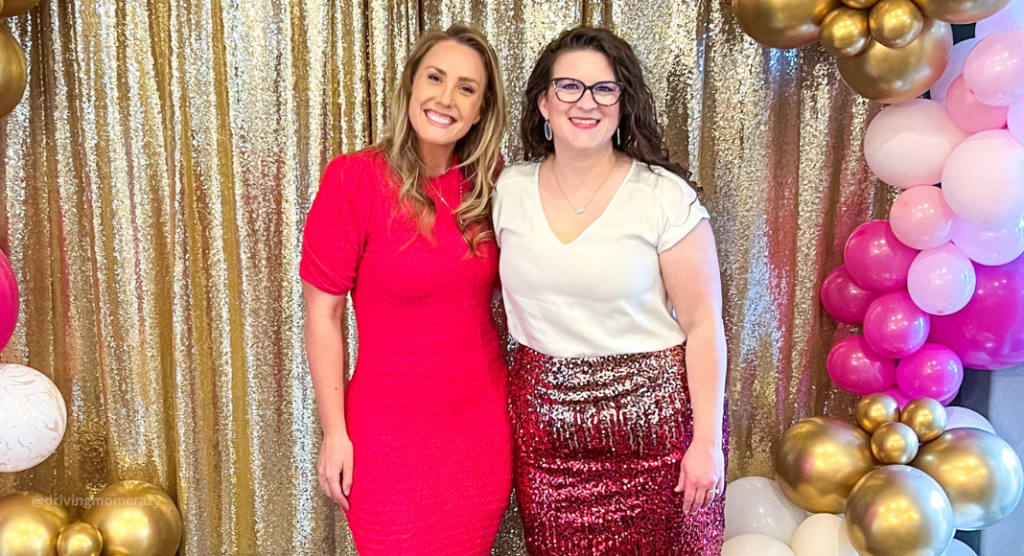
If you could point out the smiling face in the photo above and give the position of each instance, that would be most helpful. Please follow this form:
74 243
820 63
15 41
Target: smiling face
583 125
447 94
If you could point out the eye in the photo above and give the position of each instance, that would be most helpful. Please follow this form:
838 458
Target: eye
570 86
468 90
606 88
433 78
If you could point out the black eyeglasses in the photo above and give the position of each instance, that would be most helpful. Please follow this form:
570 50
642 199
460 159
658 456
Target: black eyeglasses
605 93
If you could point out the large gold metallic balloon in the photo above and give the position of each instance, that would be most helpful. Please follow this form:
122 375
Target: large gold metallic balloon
16 7
819 461
13 76
782 23
79 539
876 410
900 74
926 416
894 444
899 511
845 31
958 11
980 473
895 23
136 518
29 526
860 4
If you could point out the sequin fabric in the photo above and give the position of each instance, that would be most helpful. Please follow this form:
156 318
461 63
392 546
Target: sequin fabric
598 444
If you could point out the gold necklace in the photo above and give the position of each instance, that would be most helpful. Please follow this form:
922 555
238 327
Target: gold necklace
582 209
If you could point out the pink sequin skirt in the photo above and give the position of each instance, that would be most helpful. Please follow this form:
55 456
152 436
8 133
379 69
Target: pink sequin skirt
598 443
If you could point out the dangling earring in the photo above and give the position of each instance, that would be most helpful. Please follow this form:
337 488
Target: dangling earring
547 130
618 138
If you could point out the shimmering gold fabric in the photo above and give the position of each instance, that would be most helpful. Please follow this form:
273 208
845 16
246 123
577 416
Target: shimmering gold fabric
157 174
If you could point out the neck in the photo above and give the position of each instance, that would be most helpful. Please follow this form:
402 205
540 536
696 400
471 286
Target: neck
436 158
578 167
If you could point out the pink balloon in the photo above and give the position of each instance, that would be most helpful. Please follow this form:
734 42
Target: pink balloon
876 259
858 369
894 326
901 398
982 180
949 399
844 299
941 281
990 247
954 68
1015 120
1010 17
9 301
971 115
920 218
907 144
989 332
933 372
994 70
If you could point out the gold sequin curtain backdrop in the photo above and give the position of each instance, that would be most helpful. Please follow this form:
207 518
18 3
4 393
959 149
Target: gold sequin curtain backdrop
156 177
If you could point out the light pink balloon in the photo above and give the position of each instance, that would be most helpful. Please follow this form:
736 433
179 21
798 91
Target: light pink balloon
907 144
949 399
994 70
933 372
920 218
990 247
941 280
954 69
982 180
1010 17
971 115
1015 121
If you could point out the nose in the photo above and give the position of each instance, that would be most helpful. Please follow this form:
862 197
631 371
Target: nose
588 102
447 94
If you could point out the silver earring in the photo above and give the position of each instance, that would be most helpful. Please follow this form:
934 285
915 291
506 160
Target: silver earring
547 130
618 138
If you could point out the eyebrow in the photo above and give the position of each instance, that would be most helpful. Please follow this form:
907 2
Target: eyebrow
445 74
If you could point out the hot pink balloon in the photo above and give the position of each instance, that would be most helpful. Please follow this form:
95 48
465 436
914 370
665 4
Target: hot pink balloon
9 301
969 113
982 180
894 326
1015 120
901 398
990 247
876 259
858 369
994 70
933 372
844 299
920 218
907 144
941 280
989 332
949 399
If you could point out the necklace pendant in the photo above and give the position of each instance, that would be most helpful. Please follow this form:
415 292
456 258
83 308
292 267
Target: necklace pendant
580 210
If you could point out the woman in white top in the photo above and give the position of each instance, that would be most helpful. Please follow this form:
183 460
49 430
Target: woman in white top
608 269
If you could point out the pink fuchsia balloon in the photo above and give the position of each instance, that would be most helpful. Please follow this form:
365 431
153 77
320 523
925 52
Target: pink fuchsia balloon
858 369
920 218
969 113
895 326
954 69
876 259
9 301
949 399
982 180
1010 17
988 333
941 280
907 144
990 247
1015 121
844 299
901 399
933 372
994 70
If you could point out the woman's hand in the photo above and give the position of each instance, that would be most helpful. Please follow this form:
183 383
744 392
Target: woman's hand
701 474
334 469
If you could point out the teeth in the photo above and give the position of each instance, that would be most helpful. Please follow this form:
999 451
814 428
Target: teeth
439 118
583 121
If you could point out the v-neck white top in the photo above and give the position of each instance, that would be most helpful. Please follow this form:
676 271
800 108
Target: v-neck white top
602 293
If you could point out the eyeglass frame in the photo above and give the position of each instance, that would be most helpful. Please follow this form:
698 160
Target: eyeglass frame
590 88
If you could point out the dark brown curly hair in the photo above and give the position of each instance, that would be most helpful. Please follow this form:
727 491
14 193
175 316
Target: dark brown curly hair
641 135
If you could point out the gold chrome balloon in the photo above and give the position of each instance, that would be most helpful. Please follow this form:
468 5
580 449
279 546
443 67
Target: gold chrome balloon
79 539
136 518
895 23
13 76
876 410
899 74
959 11
29 526
860 4
845 31
899 511
926 416
782 23
894 444
818 462
17 7
980 473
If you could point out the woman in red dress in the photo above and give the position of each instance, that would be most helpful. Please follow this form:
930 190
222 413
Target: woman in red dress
417 446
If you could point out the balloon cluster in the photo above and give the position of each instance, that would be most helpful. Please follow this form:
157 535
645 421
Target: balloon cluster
13 74
904 481
130 517
887 50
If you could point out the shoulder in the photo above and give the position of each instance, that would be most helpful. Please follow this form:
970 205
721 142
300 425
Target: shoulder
667 188
516 176
359 173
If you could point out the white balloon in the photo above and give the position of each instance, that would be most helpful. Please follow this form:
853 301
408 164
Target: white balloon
820 535
755 545
955 67
845 545
33 415
963 418
957 548
1010 17
907 144
757 505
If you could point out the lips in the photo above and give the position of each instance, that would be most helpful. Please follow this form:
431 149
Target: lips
438 118
584 123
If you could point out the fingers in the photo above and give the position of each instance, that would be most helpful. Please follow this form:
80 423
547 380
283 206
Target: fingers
346 478
709 497
690 499
334 484
682 480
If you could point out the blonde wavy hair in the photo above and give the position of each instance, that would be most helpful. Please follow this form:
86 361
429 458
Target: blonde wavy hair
479 152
